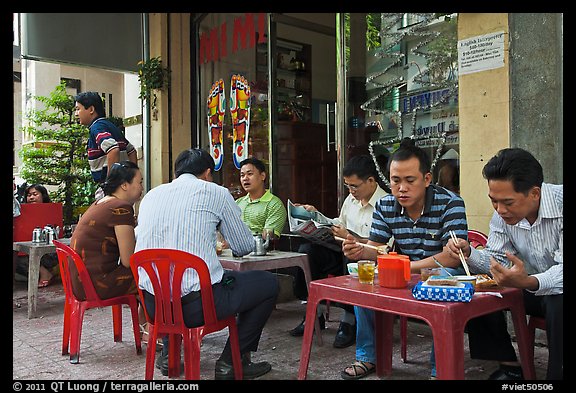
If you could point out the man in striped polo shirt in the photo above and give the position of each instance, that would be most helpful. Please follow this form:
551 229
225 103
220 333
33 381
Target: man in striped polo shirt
260 208
106 143
420 216
524 250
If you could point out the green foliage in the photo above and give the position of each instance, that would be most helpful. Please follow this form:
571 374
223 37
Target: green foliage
152 76
372 31
56 155
442 54
118 122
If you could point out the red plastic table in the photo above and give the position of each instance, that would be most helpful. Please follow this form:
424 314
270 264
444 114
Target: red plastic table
446 319
272 260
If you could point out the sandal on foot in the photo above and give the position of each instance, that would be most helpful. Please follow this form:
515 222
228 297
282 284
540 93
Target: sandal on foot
45 283
359 369
144 337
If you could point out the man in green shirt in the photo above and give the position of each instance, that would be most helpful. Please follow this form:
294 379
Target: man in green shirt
260 208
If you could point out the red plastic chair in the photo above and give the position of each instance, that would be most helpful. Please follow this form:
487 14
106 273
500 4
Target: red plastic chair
476 239
165 267
74 308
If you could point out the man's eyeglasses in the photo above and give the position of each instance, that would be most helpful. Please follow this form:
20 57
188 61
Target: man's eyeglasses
353 187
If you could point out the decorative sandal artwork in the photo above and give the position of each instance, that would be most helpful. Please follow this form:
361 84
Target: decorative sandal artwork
240 111
216 103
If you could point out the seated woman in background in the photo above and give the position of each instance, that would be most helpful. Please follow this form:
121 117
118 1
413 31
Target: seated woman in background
37 193
105 236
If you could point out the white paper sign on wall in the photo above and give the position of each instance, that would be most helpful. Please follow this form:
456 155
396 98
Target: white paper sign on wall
480 53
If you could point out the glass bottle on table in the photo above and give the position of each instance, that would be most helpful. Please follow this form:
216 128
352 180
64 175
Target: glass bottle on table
269 237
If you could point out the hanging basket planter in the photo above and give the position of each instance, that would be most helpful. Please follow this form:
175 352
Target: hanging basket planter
152 76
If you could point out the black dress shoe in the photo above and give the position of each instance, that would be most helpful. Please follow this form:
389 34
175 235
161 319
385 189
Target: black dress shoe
225 370
345 336
507 373
298 331
162 364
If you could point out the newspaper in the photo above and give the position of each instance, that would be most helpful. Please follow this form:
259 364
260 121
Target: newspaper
313 226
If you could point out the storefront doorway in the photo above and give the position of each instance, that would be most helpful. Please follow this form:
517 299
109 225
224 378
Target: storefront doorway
306 92
285 67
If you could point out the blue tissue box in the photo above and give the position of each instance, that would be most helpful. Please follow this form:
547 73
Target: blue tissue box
461 293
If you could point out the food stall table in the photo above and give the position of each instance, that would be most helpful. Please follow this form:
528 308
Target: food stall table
446 319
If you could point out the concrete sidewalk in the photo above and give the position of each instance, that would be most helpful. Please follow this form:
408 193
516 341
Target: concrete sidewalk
37 347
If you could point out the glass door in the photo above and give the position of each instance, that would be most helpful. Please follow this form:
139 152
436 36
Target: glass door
303 85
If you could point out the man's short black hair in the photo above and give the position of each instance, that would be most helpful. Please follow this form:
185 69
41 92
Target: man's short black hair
362 166
193 161
91 98
407 150
517 166
254 161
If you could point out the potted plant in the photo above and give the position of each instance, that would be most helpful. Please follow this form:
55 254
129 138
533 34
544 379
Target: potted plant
152 76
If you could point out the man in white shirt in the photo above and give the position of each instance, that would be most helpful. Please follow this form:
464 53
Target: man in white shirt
524 250
360 177
184 215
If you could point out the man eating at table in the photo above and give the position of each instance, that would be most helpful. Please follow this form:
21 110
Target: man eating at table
524 250
420 216
184 215
359 175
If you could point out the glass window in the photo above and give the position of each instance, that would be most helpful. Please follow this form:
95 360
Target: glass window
233 92
409 87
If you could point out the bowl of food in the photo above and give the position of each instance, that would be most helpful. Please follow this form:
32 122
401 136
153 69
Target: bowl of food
353 269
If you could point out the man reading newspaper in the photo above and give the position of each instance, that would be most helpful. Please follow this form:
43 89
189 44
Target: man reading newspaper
324 252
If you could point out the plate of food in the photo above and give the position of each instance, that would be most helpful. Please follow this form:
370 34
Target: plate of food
471 279
478 280
485 281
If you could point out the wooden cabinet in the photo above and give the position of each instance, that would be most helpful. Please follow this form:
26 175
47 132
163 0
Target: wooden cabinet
293 79
305 170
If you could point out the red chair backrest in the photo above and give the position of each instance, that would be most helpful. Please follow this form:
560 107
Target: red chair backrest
65 254
477 238
166 267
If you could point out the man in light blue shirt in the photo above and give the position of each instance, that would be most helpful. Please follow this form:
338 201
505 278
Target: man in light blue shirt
524 250
185 215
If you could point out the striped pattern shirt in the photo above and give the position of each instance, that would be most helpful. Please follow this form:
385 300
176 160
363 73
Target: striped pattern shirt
266 212
538 245
104 137
443 212
184 215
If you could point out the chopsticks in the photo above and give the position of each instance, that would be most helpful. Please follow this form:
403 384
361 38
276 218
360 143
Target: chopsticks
442 266
460 253
362 244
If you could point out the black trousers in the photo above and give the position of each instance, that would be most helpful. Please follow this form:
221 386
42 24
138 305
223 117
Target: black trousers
323 261
251 295
489 339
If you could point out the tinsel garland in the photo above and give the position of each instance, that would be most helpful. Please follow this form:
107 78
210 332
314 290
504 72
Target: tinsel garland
393 38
